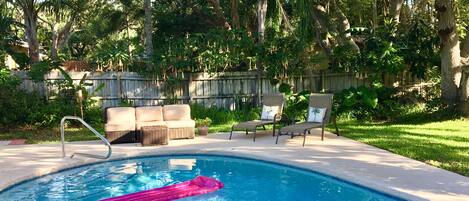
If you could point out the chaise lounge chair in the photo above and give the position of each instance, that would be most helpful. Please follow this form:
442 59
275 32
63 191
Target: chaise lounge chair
269 116
319 114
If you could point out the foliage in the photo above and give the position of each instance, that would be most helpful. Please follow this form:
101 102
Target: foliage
16 105
75 94
217 50
296 105
380 52
8 38
279 55
222 115
203 122
358 102
420 50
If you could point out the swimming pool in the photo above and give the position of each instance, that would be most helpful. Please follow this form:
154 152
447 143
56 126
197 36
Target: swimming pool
244 179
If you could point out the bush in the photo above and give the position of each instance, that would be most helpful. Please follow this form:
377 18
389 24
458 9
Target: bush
358 103
16 105
223 116
296 105
19 107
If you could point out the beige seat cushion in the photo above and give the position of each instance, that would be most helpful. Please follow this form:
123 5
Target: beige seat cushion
118 115
176 112
149 123
119 127
149 113
180 124
120 119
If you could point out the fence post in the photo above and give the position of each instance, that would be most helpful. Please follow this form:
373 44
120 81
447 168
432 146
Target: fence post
44 87
258 87
321 81
119 88
191 88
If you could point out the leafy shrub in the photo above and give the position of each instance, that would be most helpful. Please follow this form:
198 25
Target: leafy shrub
203 122
19 107
296 105
359 103
223 116
16 105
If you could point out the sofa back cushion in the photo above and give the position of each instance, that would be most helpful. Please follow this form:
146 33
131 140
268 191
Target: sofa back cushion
149 113
176 112
120 115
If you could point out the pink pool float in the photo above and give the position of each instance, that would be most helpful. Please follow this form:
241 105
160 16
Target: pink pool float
197 186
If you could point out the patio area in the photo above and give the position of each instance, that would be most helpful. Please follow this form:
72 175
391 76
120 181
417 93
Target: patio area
336 156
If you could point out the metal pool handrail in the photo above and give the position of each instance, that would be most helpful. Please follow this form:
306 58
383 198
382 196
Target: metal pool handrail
62 133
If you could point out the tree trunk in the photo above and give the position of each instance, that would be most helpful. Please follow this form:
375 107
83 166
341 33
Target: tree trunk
234 13
344 26
284 16
30 28
465 46
129 46
449 50
59 37
148 29
395 9
375 15
320 26
261 15
221 17
55 43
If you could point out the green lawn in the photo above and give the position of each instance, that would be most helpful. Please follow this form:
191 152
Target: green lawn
444 144
48 135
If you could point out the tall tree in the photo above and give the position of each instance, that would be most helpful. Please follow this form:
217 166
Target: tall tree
449 50
148 29
395 9
465 46
235 13
67 11
219 13
30 10
344 26
261 16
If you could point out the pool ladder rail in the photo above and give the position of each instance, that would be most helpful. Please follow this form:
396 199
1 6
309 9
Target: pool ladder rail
105 141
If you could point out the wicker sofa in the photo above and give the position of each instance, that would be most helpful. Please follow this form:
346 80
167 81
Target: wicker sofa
123 124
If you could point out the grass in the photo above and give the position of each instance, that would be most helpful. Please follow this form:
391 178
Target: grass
48 135
444 144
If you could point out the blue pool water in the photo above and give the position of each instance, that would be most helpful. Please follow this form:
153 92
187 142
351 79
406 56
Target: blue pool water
244 179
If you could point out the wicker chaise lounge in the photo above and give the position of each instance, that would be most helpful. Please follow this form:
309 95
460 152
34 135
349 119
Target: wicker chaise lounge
316 101
268 101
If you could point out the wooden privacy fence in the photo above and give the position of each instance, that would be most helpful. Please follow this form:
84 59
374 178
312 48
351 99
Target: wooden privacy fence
221 90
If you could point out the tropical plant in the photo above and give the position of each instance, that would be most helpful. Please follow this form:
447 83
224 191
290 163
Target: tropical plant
203 122
359 103
76 94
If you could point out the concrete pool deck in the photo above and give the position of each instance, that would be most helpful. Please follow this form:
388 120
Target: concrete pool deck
335 156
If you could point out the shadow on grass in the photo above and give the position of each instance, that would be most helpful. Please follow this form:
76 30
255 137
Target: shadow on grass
444 148
424 117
